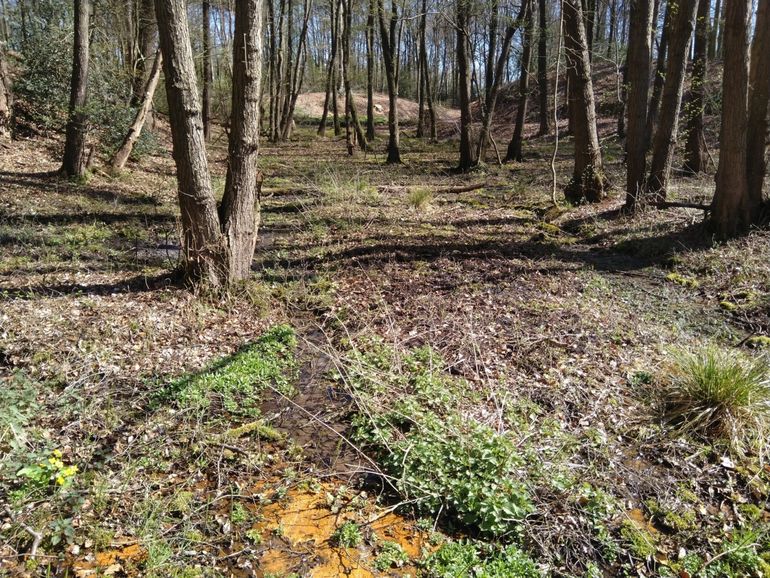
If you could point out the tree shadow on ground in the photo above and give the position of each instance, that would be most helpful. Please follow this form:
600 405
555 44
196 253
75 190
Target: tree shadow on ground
137 284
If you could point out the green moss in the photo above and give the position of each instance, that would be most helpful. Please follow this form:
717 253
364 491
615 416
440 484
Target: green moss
640 541
759 342
728 306
683 281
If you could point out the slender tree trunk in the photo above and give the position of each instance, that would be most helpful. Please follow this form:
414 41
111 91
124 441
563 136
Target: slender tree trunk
296 77
467 152
489 69
542 68
6 97
389 51
588 179
207 74
74 164
759 94
515 146
733 209
119 159
721 33
370 127
330 69
623 101
350 103
239 211
659 79
428 87
695 149
205 253
666 135
638 81
146 43
715 28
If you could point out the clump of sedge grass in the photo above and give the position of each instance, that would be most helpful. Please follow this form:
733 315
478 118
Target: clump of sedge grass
420 199
718 394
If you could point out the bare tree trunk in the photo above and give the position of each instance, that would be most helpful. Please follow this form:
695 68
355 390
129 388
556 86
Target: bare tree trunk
695 149
330 69
638 80
74 164
515 146
666 135
542 68
715 28
733 209
389 41
295 76
146 44
119 159
588 179
6 97
347 18
203 245
428 87
489 69
467 152
759 94
370 128
659 79
239 211
207 75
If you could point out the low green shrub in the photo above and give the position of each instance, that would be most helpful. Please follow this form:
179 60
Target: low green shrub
455 559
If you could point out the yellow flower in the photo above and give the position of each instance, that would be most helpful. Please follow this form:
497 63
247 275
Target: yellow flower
60 480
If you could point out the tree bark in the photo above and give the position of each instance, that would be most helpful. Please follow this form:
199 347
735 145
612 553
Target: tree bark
659 78
239 211
347 18
207 74
759 94
119 159
515 146
388 39
715 28
74 163
330 70
695 149
542 68
428 87
370 127
666 134
467 151
146 43
638 83
588 179
733 209
6 97
204 249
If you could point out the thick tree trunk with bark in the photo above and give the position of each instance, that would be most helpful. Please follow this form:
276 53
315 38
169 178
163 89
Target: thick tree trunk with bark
638 83
467 151
733 209
205 254
664 144
588 180
389 41
515 146
759 93
119 159
208 78
695 149
74 164
542 68
239 211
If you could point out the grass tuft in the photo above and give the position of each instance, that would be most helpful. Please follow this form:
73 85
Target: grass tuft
715 393
420 199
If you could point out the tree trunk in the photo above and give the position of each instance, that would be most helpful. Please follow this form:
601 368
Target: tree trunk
759 93
205 254
467 152
588 180
207 75
330 70
695 149
666 134
239 211
715 28
542 68
370 127
659 79
146 43
428 87
119 159
638 82
389 49
74 164
347 18
733 209
6 97
514 147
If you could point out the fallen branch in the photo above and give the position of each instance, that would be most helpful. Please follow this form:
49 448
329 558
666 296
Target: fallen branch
37 537
681 205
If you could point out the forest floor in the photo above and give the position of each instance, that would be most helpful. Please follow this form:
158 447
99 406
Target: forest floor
420 379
